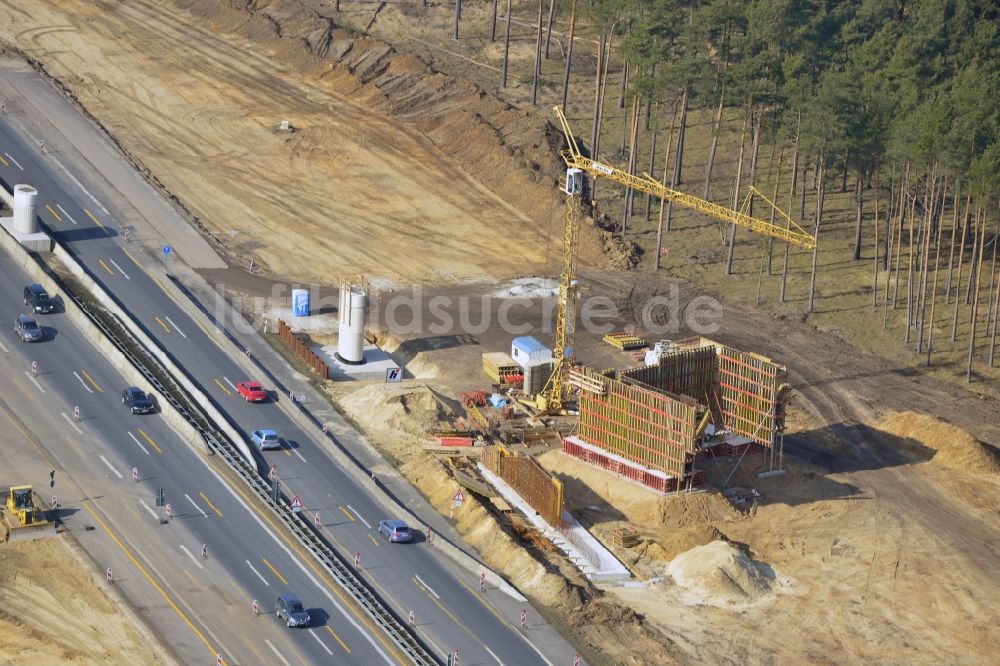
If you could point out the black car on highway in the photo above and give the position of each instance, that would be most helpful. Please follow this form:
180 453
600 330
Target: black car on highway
36 298
136 400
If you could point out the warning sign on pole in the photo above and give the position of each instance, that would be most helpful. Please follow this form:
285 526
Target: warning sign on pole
170 511
576 660
135 473
110 577
482 582
316 518
459 498
256 608
273 474
34 368
524 617
296 504
55 502
76 413
218 660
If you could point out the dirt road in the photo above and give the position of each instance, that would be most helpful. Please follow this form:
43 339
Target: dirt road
348 191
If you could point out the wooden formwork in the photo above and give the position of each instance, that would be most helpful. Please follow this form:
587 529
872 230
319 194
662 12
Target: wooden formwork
542 491
655 415
654 428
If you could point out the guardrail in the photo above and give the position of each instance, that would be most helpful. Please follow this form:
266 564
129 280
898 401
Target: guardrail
155 372
328 558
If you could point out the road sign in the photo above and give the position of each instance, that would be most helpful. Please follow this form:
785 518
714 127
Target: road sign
296 504
393 375
110 577
459 498
167 250
273 474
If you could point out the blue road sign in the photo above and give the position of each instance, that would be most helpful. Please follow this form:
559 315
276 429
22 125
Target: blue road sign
167 250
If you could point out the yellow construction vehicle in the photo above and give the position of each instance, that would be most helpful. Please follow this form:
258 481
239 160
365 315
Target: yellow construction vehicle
21 502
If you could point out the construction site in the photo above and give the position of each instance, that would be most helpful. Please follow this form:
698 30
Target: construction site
666 497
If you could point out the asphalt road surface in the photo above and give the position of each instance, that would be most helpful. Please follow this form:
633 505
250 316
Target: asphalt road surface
450 611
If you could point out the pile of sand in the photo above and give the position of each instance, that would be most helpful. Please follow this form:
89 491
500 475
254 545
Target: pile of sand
722 574
640 505
51 611
952 446
410 409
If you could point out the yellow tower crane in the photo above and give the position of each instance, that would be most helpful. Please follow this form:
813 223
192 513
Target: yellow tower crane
793 233
552 397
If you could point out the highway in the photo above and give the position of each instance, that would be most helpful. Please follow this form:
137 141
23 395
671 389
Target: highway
94 458
450 611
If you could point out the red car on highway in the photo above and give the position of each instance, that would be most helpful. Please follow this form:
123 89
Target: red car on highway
251 391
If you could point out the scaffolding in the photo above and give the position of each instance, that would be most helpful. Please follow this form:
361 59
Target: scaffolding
657 416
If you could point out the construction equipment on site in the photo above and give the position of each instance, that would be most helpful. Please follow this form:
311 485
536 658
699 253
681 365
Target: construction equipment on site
793 233
31 521
550 400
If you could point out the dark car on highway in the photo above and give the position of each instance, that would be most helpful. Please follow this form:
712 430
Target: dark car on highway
136 400
291 611
36 298
27 329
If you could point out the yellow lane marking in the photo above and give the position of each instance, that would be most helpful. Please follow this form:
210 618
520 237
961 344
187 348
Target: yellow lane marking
96 221
75 448
373 540
191 578
482 600
152 581
209 502
162 324
274 571
134 260
346 513
106 267
223 386
333 587
4 161
22 387
287 452
135 514
149 439
342 643
450 614
91 380
54 214
260 657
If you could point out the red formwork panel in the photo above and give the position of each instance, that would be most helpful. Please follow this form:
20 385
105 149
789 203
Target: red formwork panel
622 468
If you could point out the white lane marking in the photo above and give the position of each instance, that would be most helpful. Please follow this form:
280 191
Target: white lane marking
80 185
33 380
359 516
75 426
492 654
14 161
191 611
4 348
292 557
176 328
257 572
429 588
147 508
228 382
115 264
195 506
296 452
275 651
139 443
111 467
82 382
63 211
193 558
328 650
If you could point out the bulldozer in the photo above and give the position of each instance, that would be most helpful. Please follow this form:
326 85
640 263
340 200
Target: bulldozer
31 522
